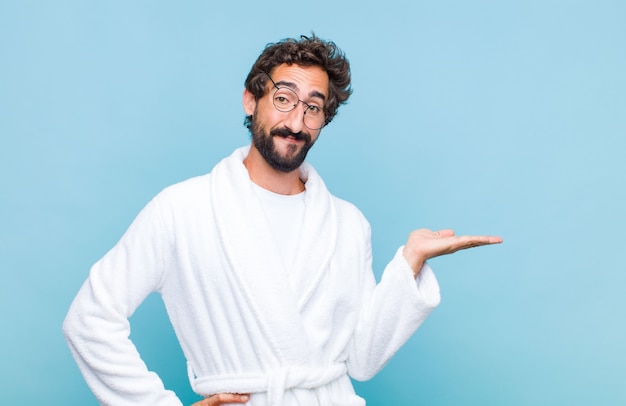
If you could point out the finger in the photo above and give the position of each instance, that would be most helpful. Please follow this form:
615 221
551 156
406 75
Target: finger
224 398
488 239
477 241
445 233
233 398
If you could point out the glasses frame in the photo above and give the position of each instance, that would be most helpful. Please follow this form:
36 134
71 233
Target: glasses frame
307 106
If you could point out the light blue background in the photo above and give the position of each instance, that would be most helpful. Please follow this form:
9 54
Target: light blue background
494 117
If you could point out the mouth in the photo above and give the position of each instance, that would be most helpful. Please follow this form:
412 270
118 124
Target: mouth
292 138
288 135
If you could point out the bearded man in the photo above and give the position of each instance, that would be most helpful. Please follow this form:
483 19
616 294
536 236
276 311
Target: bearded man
266 276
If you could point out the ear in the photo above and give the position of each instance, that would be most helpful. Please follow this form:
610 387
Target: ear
249 102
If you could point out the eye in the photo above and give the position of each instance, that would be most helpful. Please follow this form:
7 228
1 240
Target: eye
314 110
285 98
282 100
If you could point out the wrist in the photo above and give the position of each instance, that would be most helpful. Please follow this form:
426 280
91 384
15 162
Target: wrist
415 261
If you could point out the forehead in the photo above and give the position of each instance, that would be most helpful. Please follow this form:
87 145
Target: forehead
304 79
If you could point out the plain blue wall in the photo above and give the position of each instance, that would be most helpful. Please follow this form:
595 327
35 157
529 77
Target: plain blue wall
489 117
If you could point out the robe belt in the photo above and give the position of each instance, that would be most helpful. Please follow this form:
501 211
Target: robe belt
274 382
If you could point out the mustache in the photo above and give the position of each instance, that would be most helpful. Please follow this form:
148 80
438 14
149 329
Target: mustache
283 132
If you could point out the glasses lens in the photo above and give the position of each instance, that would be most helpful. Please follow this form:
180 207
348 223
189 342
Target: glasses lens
314 117
286 100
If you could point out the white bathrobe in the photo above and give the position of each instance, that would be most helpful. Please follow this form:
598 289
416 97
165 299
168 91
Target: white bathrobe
204 245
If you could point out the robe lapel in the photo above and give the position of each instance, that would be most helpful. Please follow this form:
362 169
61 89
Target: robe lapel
318 237
255 261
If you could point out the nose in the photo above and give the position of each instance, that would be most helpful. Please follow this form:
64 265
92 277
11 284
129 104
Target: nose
294 121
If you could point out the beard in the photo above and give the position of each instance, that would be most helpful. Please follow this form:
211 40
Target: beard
264 143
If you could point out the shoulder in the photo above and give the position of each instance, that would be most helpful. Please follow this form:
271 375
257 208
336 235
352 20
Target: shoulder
185 190
183 198
346 206
346 211
350 214
198 187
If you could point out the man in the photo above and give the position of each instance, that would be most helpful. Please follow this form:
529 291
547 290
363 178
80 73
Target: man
265 275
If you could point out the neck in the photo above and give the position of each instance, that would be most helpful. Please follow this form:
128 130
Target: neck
261 173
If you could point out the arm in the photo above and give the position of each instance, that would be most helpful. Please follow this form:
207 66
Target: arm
392 310
97 328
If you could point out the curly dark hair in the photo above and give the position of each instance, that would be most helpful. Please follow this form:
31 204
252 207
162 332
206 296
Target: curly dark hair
307 51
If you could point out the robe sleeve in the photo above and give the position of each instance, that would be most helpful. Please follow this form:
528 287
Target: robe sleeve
391 312
97 327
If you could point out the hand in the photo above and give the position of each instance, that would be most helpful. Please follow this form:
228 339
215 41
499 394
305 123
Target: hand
223 399
424 244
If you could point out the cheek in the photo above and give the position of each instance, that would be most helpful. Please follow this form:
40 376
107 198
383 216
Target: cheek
267 116
314 135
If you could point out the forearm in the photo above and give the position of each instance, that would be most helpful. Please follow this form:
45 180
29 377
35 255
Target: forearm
396 307
98 337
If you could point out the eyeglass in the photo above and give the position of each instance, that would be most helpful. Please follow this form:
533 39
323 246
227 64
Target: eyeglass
285 100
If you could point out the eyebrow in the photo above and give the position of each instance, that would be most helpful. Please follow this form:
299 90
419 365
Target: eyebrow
294 87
